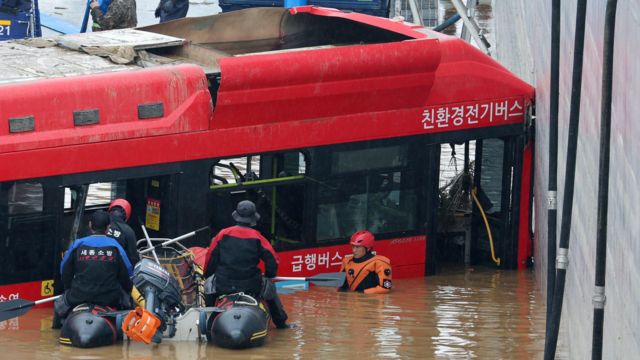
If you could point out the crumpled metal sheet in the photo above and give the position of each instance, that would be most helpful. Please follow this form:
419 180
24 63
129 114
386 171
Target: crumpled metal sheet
37 42
69 55
23 63
133 38
250 30
119 55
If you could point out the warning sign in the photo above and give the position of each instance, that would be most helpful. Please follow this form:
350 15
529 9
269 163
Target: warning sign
46 288
152 220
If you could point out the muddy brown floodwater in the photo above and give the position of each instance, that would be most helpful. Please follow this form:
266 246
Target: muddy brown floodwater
459 314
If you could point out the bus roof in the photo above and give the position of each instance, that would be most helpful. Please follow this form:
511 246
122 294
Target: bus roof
300 77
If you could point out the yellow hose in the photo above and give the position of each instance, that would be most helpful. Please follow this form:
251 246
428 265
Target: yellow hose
486 224
138 299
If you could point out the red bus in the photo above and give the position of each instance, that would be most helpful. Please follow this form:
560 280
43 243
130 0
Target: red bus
330 122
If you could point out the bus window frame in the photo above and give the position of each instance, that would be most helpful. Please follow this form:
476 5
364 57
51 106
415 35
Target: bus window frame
242 186
51 191
413 164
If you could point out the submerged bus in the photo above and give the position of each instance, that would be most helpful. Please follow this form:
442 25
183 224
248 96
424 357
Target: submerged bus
329 121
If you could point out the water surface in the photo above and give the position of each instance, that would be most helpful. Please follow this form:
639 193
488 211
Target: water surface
459 314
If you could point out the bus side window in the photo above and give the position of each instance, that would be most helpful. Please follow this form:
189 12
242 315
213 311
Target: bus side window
371 188
98 196
275 182
27 233
235 170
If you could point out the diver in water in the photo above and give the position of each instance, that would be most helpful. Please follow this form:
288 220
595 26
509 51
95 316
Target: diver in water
233 258
95 270
366 271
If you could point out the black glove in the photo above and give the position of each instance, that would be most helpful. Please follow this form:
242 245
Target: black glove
157 13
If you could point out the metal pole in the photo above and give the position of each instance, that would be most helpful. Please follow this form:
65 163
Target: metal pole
562 259
552 194
169 242
417 18
153 250
81 198
599 297
473 29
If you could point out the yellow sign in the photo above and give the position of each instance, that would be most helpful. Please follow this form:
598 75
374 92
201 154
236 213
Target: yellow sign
152 220
46 288
5 22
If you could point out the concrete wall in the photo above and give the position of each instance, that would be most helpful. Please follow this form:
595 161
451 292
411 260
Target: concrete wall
528 22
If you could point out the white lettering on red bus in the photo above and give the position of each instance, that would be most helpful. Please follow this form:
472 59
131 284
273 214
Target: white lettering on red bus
311 261
9 297
470 115
406 240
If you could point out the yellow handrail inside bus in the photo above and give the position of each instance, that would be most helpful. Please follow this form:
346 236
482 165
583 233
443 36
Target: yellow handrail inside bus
256 182
486 224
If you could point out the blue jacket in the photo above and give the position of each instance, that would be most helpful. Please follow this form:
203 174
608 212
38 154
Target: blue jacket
95 270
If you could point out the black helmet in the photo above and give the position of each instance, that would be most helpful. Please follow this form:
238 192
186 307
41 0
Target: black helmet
246 213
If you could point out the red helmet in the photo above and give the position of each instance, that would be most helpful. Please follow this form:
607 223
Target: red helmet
124 204
363 238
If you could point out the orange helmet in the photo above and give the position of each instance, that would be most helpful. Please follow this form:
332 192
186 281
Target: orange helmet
124 204
363 238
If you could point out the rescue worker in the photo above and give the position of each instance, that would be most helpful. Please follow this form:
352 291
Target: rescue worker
120 212
233 258
366 271
168 10
95 270
119 14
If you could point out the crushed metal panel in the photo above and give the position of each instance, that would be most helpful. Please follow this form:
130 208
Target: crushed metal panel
204 57
238 32
136 39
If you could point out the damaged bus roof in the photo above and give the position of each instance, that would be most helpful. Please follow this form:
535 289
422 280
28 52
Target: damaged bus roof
259 68
202 41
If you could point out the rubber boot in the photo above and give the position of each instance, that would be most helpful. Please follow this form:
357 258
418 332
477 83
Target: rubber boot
278 315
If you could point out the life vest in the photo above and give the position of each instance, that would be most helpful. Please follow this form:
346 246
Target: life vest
371 274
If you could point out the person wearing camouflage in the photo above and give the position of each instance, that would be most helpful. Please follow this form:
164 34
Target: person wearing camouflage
119 14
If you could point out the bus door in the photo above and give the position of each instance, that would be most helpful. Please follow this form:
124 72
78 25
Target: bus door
151 198
432 208
496 211
479 201
79 202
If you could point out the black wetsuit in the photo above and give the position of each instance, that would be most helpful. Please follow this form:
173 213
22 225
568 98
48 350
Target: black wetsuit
126 237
